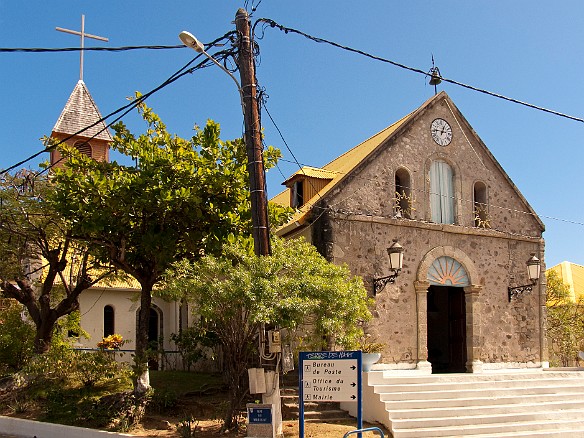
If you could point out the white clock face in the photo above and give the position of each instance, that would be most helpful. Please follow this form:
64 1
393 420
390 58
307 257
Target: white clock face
441 132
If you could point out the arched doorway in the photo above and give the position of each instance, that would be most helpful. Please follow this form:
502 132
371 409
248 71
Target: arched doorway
446 329
448 312
446 316
155 334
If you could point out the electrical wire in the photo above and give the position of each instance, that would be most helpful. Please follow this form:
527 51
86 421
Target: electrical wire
264 106
85 49
222 55
271 23
423 192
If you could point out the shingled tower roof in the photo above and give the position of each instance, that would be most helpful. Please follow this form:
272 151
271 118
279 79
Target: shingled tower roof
81 112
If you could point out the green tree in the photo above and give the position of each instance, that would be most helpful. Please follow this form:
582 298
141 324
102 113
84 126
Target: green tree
40 265
239 292
565 322
180 200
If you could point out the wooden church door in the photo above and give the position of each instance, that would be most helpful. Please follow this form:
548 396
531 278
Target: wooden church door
446 318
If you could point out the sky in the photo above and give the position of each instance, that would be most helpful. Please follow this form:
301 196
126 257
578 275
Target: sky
324 100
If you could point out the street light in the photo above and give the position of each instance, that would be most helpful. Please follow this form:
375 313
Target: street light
396 261
189 40
533 271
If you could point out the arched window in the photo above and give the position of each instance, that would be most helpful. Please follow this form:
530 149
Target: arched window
84 148
441 192
403 205
108 321
480 204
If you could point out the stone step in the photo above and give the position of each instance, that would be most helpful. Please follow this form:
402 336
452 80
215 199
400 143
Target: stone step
556 433
313 406
523 404
477 384
389 377
326 414
512 399
481 409
461 419
525 427
490 392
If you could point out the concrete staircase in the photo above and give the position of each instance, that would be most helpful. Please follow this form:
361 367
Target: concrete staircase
522 404
322 412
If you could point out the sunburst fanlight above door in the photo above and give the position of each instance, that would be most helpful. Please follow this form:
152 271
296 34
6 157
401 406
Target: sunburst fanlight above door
445 271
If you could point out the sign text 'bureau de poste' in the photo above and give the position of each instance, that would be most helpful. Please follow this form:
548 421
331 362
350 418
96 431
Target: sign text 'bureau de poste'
330 376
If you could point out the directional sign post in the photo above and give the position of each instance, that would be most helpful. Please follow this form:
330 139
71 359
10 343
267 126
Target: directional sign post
330 376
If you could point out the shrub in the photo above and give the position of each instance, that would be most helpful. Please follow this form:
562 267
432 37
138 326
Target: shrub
16 338
194 344
111 342
75 368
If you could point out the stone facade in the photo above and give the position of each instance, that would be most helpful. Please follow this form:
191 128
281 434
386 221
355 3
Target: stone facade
355 222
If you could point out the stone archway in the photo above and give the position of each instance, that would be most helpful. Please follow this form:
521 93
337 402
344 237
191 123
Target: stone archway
463 274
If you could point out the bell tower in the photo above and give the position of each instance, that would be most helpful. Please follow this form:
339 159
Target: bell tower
81 112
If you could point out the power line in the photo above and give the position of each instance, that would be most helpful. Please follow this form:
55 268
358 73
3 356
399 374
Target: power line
423 192
222 55
271 23
85 49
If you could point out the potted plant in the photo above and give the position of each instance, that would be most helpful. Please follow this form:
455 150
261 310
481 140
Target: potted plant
371 351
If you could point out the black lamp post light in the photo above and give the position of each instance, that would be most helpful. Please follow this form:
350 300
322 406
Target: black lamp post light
533 271
396 261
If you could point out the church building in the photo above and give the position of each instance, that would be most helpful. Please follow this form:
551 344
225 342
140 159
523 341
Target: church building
109 306
426 189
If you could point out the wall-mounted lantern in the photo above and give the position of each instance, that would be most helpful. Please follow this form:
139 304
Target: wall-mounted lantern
396 261
533 271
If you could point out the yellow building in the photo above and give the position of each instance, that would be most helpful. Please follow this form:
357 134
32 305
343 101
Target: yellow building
573 276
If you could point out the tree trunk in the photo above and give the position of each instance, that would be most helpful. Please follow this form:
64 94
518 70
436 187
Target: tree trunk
44 335
141 376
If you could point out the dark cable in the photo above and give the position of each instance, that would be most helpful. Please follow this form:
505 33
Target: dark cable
87 49
272 23
181 72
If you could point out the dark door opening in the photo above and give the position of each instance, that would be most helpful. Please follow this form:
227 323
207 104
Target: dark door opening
153 338
446 329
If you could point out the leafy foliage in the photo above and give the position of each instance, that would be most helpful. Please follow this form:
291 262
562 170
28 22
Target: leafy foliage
111 342
238 292
565 322
194 343
182 199
62 366
16 338
40 265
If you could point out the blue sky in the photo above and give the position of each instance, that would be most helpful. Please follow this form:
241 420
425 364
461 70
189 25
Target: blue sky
325 100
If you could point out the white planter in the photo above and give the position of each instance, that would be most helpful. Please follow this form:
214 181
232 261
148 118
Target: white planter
368 359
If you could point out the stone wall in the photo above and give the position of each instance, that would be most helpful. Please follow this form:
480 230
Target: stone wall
360 226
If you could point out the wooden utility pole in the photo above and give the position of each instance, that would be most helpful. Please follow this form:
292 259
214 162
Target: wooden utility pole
253 140
257 181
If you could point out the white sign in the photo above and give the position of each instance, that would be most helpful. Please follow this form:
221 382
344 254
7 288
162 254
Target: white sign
330 376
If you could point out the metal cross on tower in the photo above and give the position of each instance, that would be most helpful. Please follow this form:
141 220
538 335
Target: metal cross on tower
83 35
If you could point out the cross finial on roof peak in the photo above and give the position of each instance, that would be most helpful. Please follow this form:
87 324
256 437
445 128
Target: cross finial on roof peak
83 35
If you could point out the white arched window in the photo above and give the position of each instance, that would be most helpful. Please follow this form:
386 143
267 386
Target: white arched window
441 192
